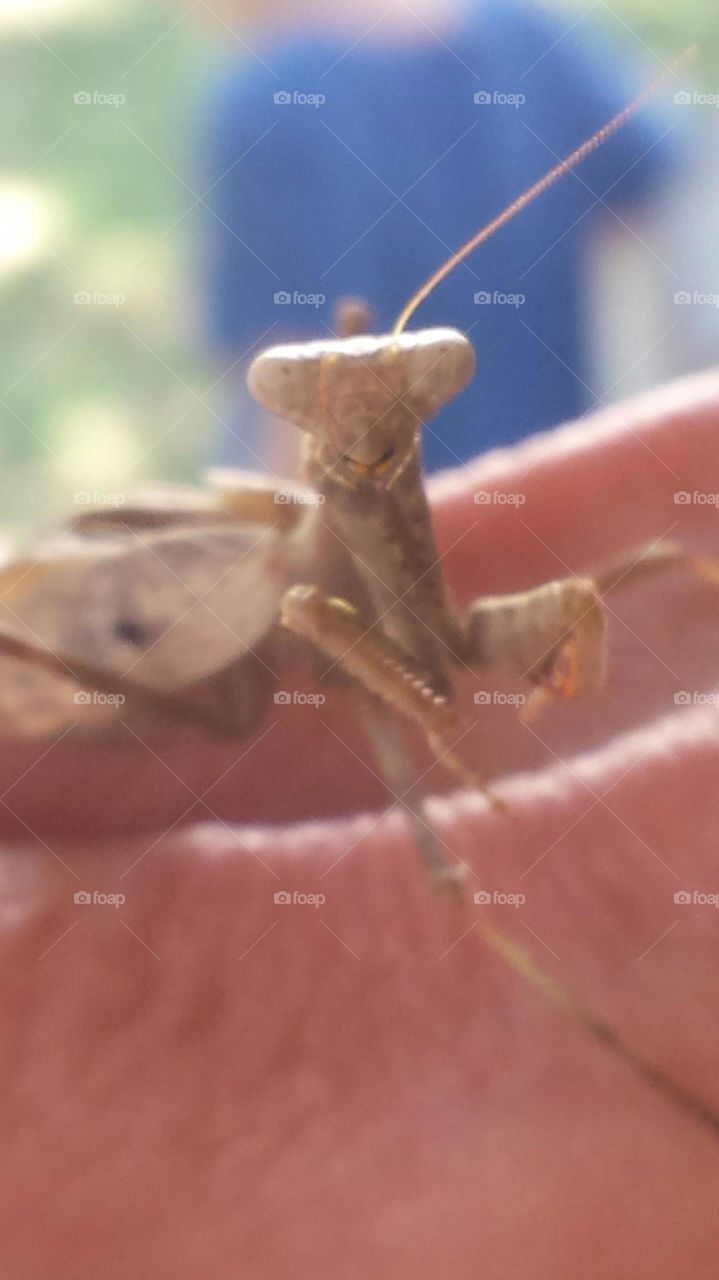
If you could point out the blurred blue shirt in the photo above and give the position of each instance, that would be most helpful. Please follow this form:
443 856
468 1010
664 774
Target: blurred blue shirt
414 147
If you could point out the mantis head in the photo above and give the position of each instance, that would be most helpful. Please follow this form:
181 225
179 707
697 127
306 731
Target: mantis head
365 398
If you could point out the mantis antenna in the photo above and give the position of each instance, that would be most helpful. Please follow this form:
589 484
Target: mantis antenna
563 166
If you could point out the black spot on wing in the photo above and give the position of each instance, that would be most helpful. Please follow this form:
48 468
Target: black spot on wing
131 632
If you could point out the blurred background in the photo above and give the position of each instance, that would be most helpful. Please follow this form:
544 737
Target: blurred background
110 371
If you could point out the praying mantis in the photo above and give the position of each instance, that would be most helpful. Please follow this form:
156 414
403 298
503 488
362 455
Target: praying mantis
169 607
165 600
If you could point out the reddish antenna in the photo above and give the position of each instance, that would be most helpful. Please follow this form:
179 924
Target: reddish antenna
537 188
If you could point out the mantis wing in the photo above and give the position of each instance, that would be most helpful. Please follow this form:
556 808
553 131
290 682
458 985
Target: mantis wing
166 609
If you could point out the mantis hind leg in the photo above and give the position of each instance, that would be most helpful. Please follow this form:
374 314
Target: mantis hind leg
231 497
649 561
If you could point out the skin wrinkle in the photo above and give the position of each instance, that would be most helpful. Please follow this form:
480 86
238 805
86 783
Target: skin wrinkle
301 1113
462 984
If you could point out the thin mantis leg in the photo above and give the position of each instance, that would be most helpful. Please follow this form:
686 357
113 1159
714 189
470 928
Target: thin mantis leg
336 628
647 562
234 497
390 750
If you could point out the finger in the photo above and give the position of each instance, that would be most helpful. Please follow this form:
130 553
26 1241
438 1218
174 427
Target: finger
350 1085
585 492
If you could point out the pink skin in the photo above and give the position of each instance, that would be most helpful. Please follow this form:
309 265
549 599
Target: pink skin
202 1083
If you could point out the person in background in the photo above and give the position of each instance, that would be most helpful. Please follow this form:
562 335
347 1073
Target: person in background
351 153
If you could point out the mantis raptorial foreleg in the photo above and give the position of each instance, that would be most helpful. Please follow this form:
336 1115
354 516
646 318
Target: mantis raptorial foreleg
554 635
364 652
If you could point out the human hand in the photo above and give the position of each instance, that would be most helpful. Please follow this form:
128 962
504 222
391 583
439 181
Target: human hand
205 1082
